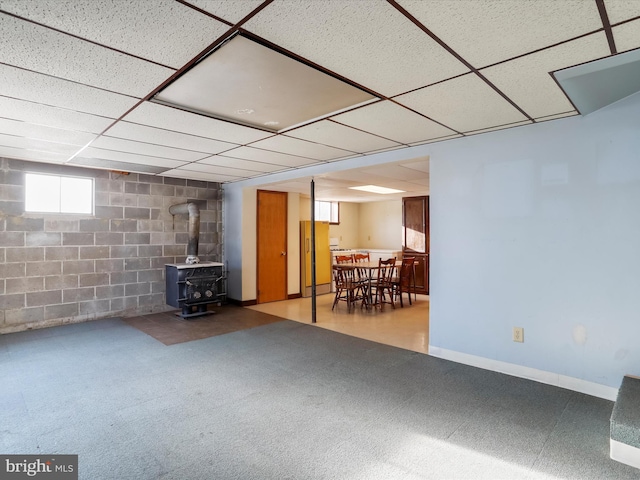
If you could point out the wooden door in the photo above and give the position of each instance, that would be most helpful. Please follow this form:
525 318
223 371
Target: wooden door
272 246
415 237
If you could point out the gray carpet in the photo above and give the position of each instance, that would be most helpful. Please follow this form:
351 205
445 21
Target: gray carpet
286 401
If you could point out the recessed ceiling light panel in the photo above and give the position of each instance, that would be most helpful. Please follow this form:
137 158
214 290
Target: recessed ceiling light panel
245 82
377 189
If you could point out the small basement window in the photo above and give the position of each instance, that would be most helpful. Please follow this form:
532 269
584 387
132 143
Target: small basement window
58 194
327 211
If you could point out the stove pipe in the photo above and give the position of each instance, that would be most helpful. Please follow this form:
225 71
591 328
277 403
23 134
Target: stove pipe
193 211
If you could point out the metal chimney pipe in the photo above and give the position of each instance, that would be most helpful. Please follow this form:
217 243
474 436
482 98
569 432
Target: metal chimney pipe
193 211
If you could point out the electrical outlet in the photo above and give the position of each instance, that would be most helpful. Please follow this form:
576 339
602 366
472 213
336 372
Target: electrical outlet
518 334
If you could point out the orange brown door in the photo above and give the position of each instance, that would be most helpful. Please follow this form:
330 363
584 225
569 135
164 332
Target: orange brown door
272 246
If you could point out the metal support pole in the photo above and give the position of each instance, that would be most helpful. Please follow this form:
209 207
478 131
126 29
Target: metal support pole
313 251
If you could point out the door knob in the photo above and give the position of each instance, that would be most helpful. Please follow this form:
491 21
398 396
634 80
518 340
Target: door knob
283 253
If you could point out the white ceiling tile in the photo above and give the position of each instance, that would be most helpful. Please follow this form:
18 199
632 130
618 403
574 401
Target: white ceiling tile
92 152
500 127
555 117
333 134
417 188
105 164
160 30
367 41
43 50
355 155
32 155
394 122
484 32
528 83
291 187
230 10
627 36
189 174
465 103
300 148
396 172
129 146
267 156
206 168
52 116
40 145
441 139
142 133
242 164
41 132
621 10
405 186
35 87
154 115
422 164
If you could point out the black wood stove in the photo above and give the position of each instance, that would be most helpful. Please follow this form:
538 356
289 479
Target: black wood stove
192 287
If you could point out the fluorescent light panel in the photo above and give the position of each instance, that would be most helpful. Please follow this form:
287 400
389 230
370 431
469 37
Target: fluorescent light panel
245 82
377 189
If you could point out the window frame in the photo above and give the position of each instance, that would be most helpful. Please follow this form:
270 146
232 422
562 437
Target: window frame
332 203
59 197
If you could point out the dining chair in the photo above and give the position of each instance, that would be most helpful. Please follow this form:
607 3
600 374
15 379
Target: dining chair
343 259
362 274
347 289
383 286
402 282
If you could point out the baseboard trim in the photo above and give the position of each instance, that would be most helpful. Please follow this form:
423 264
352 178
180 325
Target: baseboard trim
550 378
292 296
623 453
242 303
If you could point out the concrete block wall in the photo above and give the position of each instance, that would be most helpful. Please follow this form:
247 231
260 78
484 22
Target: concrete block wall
57 269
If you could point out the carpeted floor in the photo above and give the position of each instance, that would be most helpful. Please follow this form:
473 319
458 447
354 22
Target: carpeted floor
286 401
170 328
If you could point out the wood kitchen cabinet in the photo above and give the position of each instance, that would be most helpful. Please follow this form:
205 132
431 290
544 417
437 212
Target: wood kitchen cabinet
415 237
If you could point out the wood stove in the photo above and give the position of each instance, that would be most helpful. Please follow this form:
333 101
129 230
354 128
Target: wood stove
192 287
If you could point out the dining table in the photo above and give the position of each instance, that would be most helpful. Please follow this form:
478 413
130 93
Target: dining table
369 267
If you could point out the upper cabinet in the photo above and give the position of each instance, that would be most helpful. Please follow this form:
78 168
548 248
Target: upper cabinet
415 224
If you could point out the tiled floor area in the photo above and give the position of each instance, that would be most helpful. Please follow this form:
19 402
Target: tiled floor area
169 328
406 327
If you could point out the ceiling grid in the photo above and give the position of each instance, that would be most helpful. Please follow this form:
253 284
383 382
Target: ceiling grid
77 79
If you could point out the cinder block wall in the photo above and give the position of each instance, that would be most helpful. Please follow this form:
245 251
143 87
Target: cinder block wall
57 269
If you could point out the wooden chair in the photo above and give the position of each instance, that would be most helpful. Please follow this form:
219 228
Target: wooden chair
343 259
362 274
347 289
383 287
402 283
361 257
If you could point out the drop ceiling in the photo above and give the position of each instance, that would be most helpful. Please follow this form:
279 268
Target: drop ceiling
77 80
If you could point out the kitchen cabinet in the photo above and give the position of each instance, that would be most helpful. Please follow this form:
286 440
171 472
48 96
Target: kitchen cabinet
415 237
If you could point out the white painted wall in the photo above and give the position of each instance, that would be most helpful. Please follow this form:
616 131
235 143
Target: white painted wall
233 225
380 225
536 226
241 247
305 208
293 243
348 230
539 227
248 239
